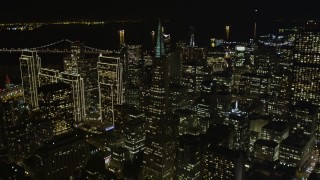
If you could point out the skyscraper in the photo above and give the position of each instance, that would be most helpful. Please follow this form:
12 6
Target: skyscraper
189 157
193 69
132 75
121 36
48 76
86 67
51 76
110 86
30 64
306 66
159 155
77 89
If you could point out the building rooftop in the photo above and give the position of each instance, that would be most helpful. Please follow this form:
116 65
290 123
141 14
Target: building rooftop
53 87
61 140
298 141
219 133
189 140
185 111
267 143
249 74
304 105
238 116
227 153
277 126
135 122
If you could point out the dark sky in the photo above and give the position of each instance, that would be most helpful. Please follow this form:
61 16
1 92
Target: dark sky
225 10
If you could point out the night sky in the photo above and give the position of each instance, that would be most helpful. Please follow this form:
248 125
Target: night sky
182 10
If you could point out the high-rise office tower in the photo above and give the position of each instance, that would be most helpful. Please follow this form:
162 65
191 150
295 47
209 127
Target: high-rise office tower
189 123
227 32
189 157
153 35
48 76
306 66
121 36
303 118
252 89
71 64
135 135
55 103
30 64
223 163
279 103
167 43
110 86
51 76
193 69
86 67
191 34
239 121
296 149
77 88
159 155
132 75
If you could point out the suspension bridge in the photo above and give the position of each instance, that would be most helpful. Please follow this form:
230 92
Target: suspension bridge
59 47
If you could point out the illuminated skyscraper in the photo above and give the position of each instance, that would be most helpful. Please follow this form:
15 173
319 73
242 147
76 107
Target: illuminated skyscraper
160 51
30 64
193 69
159 155
306 65
77 89
153 34
132 75
110 86
135 135
121 35
239 121
48 76
86 67
191 34
71 64
51 76
227 32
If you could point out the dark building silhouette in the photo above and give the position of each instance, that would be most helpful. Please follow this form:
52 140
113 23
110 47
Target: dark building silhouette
56 105
60 157
189 157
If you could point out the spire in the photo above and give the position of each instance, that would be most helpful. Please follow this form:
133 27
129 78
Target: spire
160 43
236 110
191 41
8 82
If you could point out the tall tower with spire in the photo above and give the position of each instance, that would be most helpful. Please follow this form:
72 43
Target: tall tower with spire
8 83
191 40
159 155
160 51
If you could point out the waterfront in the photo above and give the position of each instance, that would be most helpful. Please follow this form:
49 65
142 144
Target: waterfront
106 36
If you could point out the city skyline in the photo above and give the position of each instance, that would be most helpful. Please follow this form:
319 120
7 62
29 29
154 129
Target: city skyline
161 90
